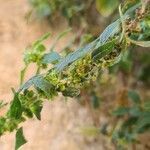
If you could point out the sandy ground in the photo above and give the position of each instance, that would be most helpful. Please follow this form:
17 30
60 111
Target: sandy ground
61 120
59 128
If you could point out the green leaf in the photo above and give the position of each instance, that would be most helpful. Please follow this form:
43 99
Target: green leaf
106 7
22 74
40 83
43 9
147 105
70 58
129 122
103 50
40 48
109 32
28 113
35 52
20 139
2 125
15 108
36 109
121 111
50 57
28 84
143 122
44 37
135 111
95 101
134 96
44 85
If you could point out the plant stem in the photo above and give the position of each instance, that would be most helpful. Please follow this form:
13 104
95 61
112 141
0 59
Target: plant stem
38 70
22 74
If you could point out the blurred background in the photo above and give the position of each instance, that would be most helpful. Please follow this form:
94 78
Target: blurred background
75 124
